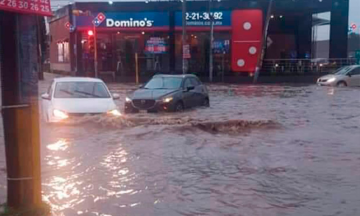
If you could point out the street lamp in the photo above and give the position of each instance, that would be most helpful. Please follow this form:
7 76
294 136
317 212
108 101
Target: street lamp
263 47
184 62
211 64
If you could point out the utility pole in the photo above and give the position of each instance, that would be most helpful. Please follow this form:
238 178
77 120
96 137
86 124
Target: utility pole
211 64
184 42
41 48
264 43
95 54
20 113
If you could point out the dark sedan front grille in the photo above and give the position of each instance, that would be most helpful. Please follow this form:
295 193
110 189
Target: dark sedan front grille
143 104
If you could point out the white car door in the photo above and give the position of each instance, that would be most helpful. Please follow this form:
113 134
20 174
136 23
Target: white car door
355 77
46 101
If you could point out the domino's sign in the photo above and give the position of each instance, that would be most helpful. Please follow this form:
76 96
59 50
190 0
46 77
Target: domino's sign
129 23
124 20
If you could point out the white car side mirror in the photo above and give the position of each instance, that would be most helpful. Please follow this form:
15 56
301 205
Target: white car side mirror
45 96
116 96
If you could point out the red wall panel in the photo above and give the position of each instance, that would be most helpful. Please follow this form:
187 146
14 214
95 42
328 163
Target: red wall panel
247 32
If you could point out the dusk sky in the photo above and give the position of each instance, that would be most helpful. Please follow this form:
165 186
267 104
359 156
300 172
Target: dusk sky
354 12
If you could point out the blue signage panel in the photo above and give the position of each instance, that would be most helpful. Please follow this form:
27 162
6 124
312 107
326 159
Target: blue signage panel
127 20
221 46
155 45
202 19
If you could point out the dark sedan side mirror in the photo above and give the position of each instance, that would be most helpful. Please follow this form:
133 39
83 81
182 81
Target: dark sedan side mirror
45 96
349 74
190 88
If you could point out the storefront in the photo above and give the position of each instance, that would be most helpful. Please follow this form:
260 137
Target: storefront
153 32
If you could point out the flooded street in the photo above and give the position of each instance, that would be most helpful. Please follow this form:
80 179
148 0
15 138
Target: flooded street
271 150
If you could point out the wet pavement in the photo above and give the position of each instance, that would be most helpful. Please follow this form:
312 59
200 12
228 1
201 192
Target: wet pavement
273 150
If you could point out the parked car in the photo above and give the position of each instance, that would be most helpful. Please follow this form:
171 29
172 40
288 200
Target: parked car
345 76
168 93
70 97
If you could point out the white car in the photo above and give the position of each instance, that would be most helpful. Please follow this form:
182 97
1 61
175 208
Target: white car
345 76
69 97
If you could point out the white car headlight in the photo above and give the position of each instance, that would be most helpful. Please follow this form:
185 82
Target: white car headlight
331 80
115 112
127 99
168 99
60 114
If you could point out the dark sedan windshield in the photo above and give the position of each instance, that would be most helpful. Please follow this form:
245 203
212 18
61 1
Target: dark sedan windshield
164 83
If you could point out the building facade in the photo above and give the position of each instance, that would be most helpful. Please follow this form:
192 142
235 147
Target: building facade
152 31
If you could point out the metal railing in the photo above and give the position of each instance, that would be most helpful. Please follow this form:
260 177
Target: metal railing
303 66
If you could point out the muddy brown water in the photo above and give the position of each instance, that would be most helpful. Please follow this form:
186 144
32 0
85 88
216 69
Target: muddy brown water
258 150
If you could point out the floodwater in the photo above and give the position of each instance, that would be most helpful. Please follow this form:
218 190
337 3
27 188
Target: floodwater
271 150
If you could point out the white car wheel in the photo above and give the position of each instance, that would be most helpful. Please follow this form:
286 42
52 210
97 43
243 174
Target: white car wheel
341 84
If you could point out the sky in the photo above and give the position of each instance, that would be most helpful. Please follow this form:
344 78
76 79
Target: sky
354 15
323 32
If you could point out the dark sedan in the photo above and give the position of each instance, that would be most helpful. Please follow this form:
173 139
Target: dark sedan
168 93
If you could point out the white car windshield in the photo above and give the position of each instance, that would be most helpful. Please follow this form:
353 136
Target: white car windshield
81 90
343 71
164 83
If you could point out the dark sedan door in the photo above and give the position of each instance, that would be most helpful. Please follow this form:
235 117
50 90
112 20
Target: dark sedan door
189 97
199 95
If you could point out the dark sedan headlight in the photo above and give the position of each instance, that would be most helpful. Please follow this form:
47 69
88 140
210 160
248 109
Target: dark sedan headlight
167 99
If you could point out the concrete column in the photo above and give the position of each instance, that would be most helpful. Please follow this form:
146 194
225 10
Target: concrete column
339 28
304 35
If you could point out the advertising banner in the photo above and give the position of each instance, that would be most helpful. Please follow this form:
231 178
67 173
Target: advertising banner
36 7
221 46
155 45
186 51
123 21
202 19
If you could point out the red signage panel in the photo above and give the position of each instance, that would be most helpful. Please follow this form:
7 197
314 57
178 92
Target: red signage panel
38 7
247 27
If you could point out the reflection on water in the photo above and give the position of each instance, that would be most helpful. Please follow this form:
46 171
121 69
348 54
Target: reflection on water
258 150
59 145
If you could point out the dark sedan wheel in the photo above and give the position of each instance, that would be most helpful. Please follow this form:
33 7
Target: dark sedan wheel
206 102
179 107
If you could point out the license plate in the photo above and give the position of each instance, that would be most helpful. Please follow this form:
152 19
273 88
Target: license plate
143 111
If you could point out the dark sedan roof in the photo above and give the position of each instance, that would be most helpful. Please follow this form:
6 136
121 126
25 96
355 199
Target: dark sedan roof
175 75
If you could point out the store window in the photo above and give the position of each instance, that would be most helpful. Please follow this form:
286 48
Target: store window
199 50
152 50
66 52
60 48
63 51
